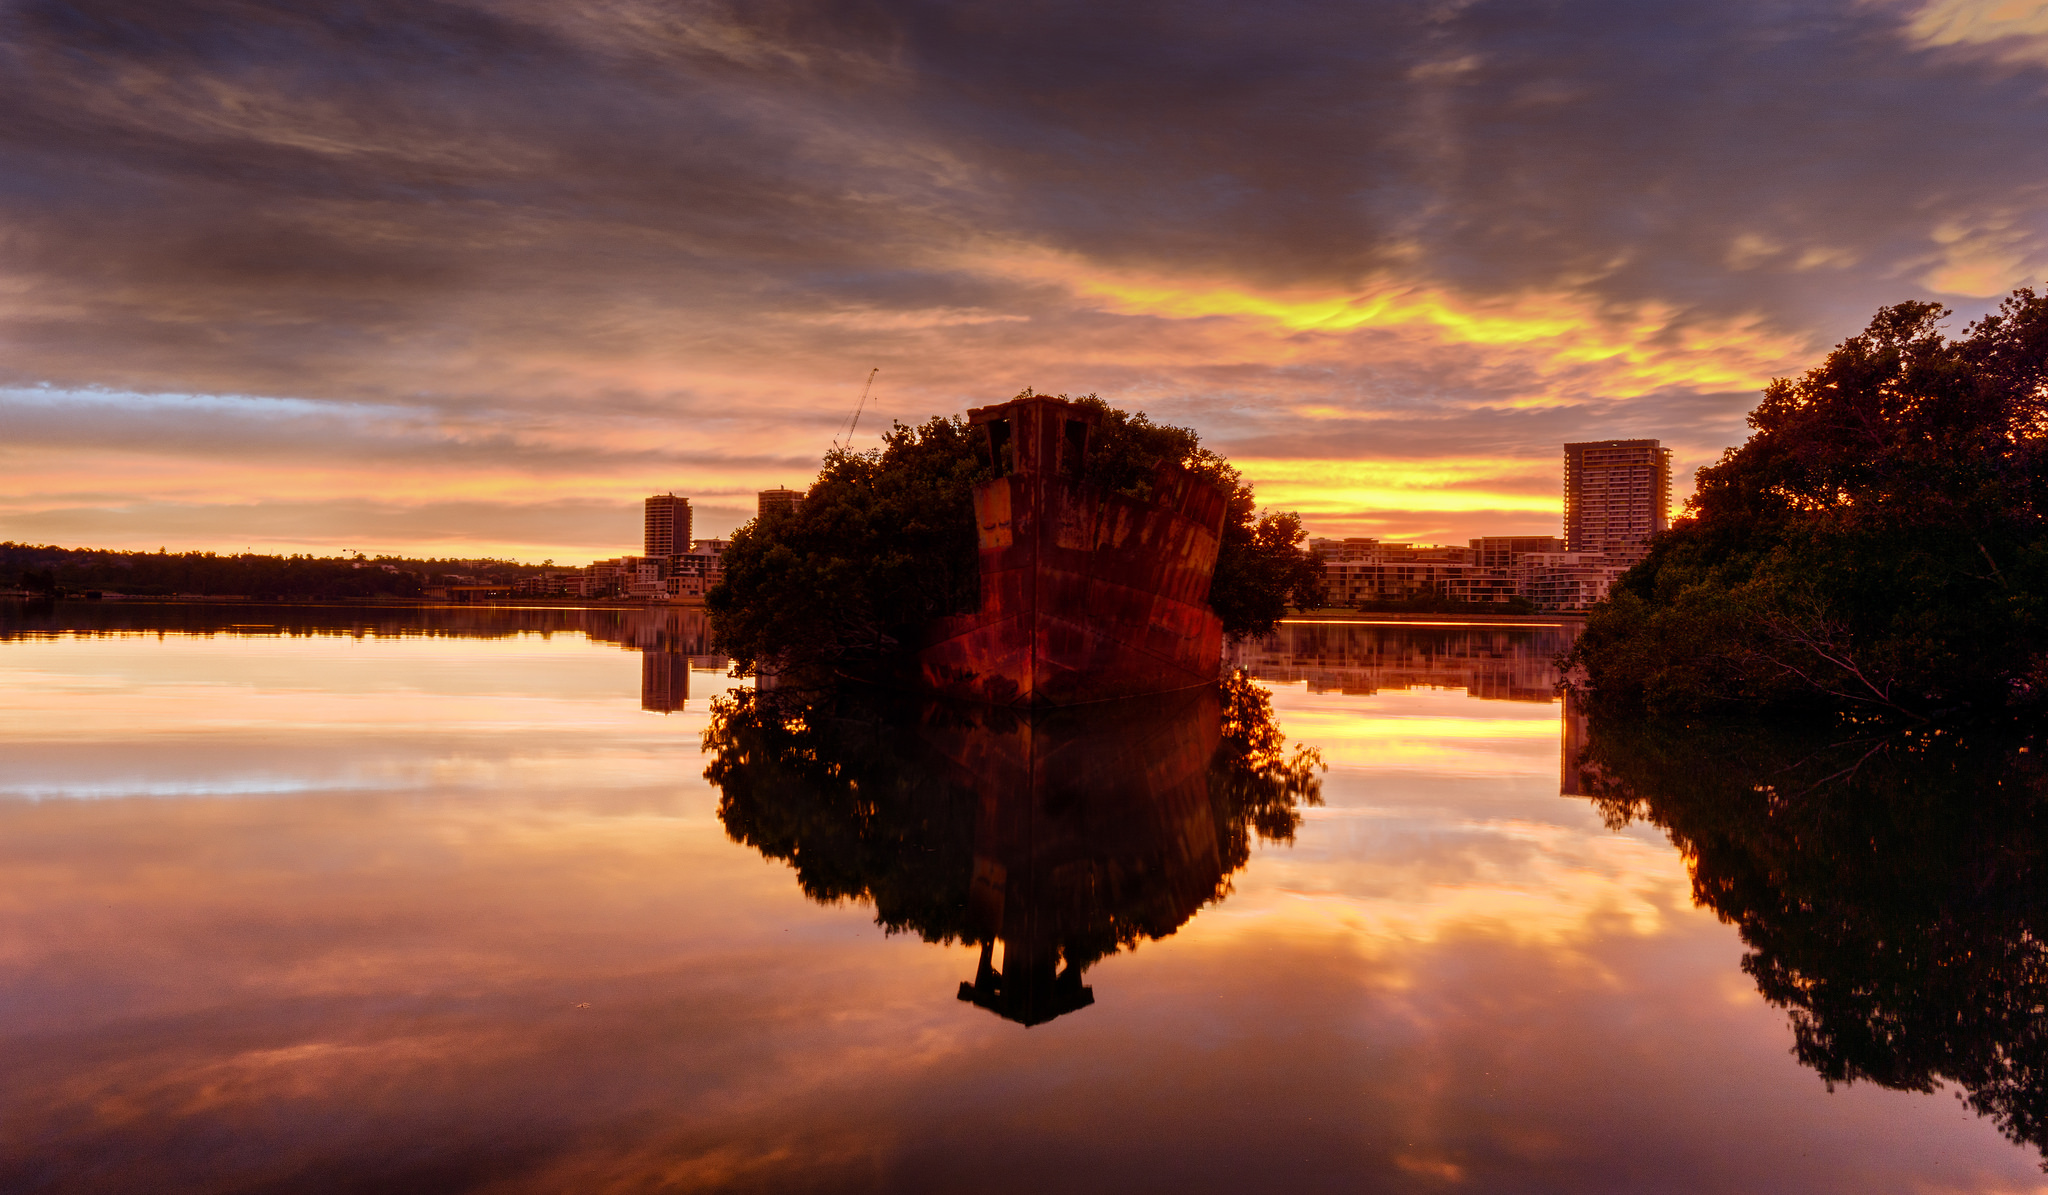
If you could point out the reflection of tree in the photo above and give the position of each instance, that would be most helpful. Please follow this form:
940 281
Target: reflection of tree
1890 889
1066 834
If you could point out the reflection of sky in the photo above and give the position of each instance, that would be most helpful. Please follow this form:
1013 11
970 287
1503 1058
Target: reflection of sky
339 905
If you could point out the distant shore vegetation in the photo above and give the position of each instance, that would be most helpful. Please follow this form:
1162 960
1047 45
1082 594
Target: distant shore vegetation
1879 542
47 570
885 542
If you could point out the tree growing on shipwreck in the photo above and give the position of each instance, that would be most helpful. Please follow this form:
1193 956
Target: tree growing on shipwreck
1040 551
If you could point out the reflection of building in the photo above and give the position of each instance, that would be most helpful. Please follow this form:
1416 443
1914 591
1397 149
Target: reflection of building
668 526
1617 495
1499 663
664 680
778 500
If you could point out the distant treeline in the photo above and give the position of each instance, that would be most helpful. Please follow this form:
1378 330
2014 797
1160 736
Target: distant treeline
52 570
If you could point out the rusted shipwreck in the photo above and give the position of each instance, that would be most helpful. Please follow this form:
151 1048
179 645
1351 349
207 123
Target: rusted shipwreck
1086 595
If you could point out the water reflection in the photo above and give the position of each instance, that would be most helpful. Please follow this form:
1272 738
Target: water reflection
1065 835
1502 663
285 909
673 640
1890 887
679 629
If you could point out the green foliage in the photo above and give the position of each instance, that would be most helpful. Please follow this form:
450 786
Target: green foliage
835 782
1256 786
1879 541
885 542
1261 569
1891 887
54 570
1261 564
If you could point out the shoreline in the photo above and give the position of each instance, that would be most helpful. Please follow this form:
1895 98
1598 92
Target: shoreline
122 599
1370 618
1353 617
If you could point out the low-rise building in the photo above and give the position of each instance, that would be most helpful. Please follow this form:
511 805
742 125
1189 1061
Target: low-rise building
1360 570
607 578
1567 580
1492 570
559 582
694 572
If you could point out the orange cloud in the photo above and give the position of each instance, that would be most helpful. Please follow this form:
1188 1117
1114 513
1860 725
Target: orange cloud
1347 487
1572 346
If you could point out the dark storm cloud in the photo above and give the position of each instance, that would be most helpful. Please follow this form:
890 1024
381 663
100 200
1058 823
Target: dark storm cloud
354 162
722 215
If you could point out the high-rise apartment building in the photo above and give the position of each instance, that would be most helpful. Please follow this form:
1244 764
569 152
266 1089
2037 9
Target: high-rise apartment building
668 526
778 499
1617 495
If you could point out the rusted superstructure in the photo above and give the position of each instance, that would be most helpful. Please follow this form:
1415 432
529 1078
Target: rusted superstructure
1086 595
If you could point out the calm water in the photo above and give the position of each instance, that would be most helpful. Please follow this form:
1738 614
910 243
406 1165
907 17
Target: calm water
443 901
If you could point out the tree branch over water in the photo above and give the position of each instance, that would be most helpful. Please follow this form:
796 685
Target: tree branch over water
1838 558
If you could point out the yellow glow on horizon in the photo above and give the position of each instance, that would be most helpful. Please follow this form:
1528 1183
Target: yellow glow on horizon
1579 346
1453 485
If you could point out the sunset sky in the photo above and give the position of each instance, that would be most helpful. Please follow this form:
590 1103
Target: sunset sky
444 278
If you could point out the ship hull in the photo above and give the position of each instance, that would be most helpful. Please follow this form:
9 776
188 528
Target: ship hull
1085 596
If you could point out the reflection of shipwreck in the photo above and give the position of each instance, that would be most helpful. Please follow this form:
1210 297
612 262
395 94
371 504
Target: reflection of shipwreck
1094 829
1086 595
1064 835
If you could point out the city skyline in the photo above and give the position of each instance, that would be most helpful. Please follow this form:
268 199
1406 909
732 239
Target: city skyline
276 286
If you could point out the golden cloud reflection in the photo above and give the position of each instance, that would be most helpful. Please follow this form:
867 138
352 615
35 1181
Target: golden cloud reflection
523 954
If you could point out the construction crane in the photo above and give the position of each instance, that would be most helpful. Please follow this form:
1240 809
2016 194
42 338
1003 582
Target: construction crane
858 408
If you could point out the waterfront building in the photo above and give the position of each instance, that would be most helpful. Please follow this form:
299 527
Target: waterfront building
1491 577
1501 551
668 526
697 570
630 576
1567 580
561 582
779 500
1358 570
648 577
1348 569
1617 496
